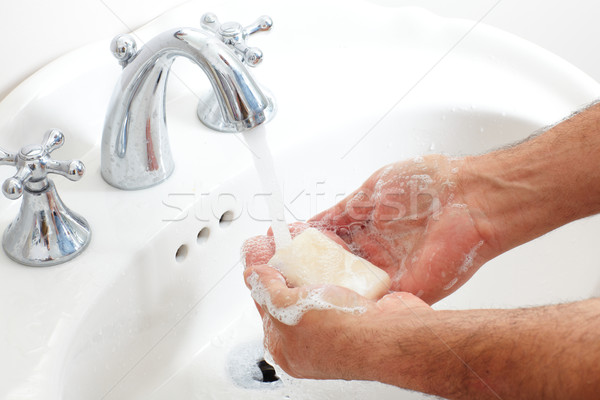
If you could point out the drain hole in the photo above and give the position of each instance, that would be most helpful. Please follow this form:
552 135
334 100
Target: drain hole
268 371
202 235
181 253
247 367
226 219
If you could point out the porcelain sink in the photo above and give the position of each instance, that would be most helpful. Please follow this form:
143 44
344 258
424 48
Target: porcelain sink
156 307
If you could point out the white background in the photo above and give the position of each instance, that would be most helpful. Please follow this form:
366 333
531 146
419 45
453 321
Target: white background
34 32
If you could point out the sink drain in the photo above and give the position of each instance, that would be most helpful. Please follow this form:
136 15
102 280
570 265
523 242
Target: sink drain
247 367
268 371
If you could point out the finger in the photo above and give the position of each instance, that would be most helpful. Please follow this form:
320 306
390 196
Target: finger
269 288
337 239
298 227
295 228
247 273
260 310
355 208
258 250
339 296
400 300
252 276
258 307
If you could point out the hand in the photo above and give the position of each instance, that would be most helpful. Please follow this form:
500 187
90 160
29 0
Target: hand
401 341
413 220
431 223
334 343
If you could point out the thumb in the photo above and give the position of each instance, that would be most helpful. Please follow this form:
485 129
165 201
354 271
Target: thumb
396 301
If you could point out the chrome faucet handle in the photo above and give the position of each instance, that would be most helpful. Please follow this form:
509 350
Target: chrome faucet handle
34 163
124 48
234 35
7 158
45 232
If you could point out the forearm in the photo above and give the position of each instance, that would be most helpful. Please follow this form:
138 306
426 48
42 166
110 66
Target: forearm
534 187
546 352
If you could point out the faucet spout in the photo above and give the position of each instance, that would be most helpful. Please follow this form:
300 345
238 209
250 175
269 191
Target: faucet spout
135 145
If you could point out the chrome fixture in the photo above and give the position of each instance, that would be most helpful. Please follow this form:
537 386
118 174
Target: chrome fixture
45 231
135 145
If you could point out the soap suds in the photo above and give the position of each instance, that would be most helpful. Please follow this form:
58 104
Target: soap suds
469 258
292 314
466 265
450 284
261 248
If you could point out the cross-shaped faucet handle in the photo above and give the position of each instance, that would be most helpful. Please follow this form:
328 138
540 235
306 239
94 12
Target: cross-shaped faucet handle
34 163
234 35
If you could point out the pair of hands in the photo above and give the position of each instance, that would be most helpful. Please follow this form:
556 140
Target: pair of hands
431 223
412 219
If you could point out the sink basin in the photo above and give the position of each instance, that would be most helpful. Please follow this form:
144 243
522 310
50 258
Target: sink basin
156 308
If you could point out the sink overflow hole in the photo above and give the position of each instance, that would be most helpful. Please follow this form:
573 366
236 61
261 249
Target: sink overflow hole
268 371
226 218
181 253
203 235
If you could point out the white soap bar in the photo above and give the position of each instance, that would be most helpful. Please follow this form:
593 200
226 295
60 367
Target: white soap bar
313 258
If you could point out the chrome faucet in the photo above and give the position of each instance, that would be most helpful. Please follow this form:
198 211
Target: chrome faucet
135 145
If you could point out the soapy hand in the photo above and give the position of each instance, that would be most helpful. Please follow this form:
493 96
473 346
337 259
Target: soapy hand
430 223
413 220
325 332
410 219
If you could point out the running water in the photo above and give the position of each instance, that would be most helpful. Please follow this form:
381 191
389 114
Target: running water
256 139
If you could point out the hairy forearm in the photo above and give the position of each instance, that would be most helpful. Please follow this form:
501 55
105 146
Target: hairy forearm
544 352
536 186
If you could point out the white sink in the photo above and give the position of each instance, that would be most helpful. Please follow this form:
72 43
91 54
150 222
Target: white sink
156 307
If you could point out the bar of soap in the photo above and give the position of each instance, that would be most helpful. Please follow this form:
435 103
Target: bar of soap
313 258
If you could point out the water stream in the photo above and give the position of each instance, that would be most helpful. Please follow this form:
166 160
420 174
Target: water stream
256 139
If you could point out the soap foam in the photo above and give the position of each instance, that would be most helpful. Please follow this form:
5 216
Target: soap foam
450 284
469 258
292 314
466 265
261 248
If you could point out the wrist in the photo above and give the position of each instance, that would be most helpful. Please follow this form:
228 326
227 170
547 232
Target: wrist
536 186
506 202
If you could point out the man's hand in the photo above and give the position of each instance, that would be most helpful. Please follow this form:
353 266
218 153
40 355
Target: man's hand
413 220
430 223
326 332
544 352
